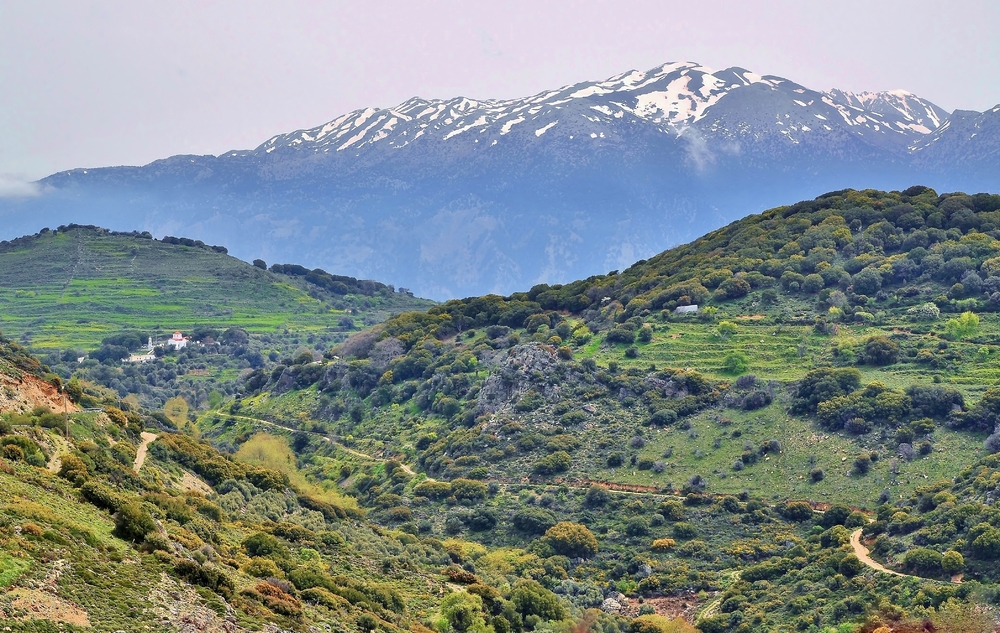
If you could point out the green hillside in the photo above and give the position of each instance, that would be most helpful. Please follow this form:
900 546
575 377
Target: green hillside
576 457
839 354
73 287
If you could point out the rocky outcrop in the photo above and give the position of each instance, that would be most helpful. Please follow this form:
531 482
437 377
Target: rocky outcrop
523 368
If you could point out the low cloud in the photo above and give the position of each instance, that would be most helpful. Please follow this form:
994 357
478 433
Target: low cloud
699 153
17 186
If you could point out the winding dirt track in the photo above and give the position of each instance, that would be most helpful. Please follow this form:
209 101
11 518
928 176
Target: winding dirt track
140 455
862 553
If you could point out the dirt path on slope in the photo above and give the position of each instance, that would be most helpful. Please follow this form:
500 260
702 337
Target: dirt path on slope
862 553
406 469
140 455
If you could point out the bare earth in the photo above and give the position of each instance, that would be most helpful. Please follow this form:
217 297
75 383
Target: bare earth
862 553
140 455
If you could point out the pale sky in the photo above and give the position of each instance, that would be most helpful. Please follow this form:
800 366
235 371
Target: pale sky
93 83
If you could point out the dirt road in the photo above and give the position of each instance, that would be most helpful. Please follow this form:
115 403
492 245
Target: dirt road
140 455
862 553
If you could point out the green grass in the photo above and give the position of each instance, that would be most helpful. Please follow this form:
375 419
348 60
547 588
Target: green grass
11 569
72 289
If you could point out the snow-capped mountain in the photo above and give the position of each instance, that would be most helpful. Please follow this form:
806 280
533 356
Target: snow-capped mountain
464 196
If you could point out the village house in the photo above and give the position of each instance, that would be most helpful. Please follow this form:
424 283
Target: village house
178 341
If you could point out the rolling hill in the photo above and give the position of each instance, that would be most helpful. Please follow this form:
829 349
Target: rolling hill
70 288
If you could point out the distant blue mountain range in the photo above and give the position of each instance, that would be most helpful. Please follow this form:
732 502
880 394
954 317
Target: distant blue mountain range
465 197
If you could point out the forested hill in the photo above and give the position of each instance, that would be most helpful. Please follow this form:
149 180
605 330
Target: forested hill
74 286
868 250
843 357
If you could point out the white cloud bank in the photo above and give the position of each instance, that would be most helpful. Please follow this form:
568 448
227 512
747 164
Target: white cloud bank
17 186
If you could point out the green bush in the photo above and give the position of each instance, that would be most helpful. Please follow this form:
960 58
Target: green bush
531 520
571 539
736 363
262 544
133 523
923 560
530 598
557 462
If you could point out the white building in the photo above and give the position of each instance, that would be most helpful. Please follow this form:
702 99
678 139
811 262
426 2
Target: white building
683 309
178 341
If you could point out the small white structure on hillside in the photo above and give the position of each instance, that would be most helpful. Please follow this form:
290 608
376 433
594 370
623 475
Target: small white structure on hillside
683 309
178 341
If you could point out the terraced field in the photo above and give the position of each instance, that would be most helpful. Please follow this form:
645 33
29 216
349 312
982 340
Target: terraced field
73 288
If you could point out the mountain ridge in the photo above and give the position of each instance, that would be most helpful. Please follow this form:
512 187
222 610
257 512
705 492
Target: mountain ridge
462 197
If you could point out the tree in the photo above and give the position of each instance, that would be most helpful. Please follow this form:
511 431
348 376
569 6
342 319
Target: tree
735 363
879 350
726 329
571 539
733 288
797 511
530 598
965 326
851 566
461 612
836 515
952 562
862 464
133 523
923 560
867 282
532 520
260 263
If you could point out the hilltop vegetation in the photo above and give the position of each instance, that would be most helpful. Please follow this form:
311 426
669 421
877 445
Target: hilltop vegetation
70 288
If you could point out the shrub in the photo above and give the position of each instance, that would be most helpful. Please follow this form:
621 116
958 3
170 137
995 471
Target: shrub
683 530
736 363
965 326
923 560
726 329
755 400
620 335
663 544
468 489
571 539
433 489
924 312
850 566
557 462
797 511
836 515
530 598
858 426
133 523
663 417
672 510
952 562
533 520
100 495
879 350
262 544
862 464
596 496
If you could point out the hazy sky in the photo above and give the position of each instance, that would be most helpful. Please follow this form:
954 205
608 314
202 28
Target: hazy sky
107 83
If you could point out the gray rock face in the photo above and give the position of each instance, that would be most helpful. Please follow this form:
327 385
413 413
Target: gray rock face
464 197
523 368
